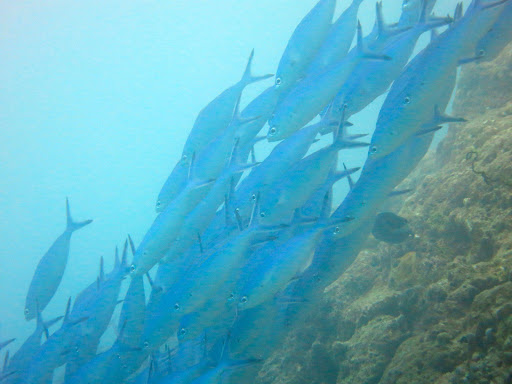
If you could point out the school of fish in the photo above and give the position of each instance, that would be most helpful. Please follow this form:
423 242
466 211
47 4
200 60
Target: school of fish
235 260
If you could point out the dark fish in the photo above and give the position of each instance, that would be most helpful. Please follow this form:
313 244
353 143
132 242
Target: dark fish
391 228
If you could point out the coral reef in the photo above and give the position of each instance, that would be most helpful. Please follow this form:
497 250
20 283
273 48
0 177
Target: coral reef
436 308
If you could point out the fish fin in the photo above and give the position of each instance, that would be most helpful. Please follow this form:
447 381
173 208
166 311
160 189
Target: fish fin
326 206
66 314
117 263
78 321
426 131
458 13
438 120
51 322
427 23
385 30
132 245
234 162
71 225
473 59
124 257
41 325
248 77
349 178
362 49
340 138
400 192
338 175
101 277
6 361
253 155
201 249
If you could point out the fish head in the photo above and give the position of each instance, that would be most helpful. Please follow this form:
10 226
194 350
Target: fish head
29 312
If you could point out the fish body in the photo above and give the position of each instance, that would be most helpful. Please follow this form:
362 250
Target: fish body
217 115
337 43
498 36
50 269
165 228
304 43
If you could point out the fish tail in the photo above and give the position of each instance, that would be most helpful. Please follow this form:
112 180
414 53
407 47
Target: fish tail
73 226
248 77
362 49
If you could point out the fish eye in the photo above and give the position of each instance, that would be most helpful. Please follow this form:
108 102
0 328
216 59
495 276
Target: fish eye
481 52
407 100
253 197
133 267
278 81
27 311
373 149
243 299
184 157
262 214
158 203
146 344
183 331
176 306
336 230
272 131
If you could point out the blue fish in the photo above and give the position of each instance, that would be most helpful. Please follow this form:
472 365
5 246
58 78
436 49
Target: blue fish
50 269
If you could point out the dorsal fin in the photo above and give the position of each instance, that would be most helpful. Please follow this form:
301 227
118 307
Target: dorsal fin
117 263
326 209
6 362
66 314
201 249
124 257
132 246
349 178
101 276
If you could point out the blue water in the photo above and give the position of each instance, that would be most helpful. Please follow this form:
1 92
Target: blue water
96 102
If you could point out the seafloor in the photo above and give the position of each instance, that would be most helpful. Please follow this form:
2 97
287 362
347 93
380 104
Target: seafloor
436 308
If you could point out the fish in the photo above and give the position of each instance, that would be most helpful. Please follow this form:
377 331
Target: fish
337 43
311 95
165 228
306 40
302 180
52 354
498 36
210 123
20 360
51 267
391 228
287 262
217 115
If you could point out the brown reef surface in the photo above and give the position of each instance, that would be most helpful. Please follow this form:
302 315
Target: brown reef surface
436 308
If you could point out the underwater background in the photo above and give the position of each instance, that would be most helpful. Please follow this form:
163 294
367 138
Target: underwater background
97 102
